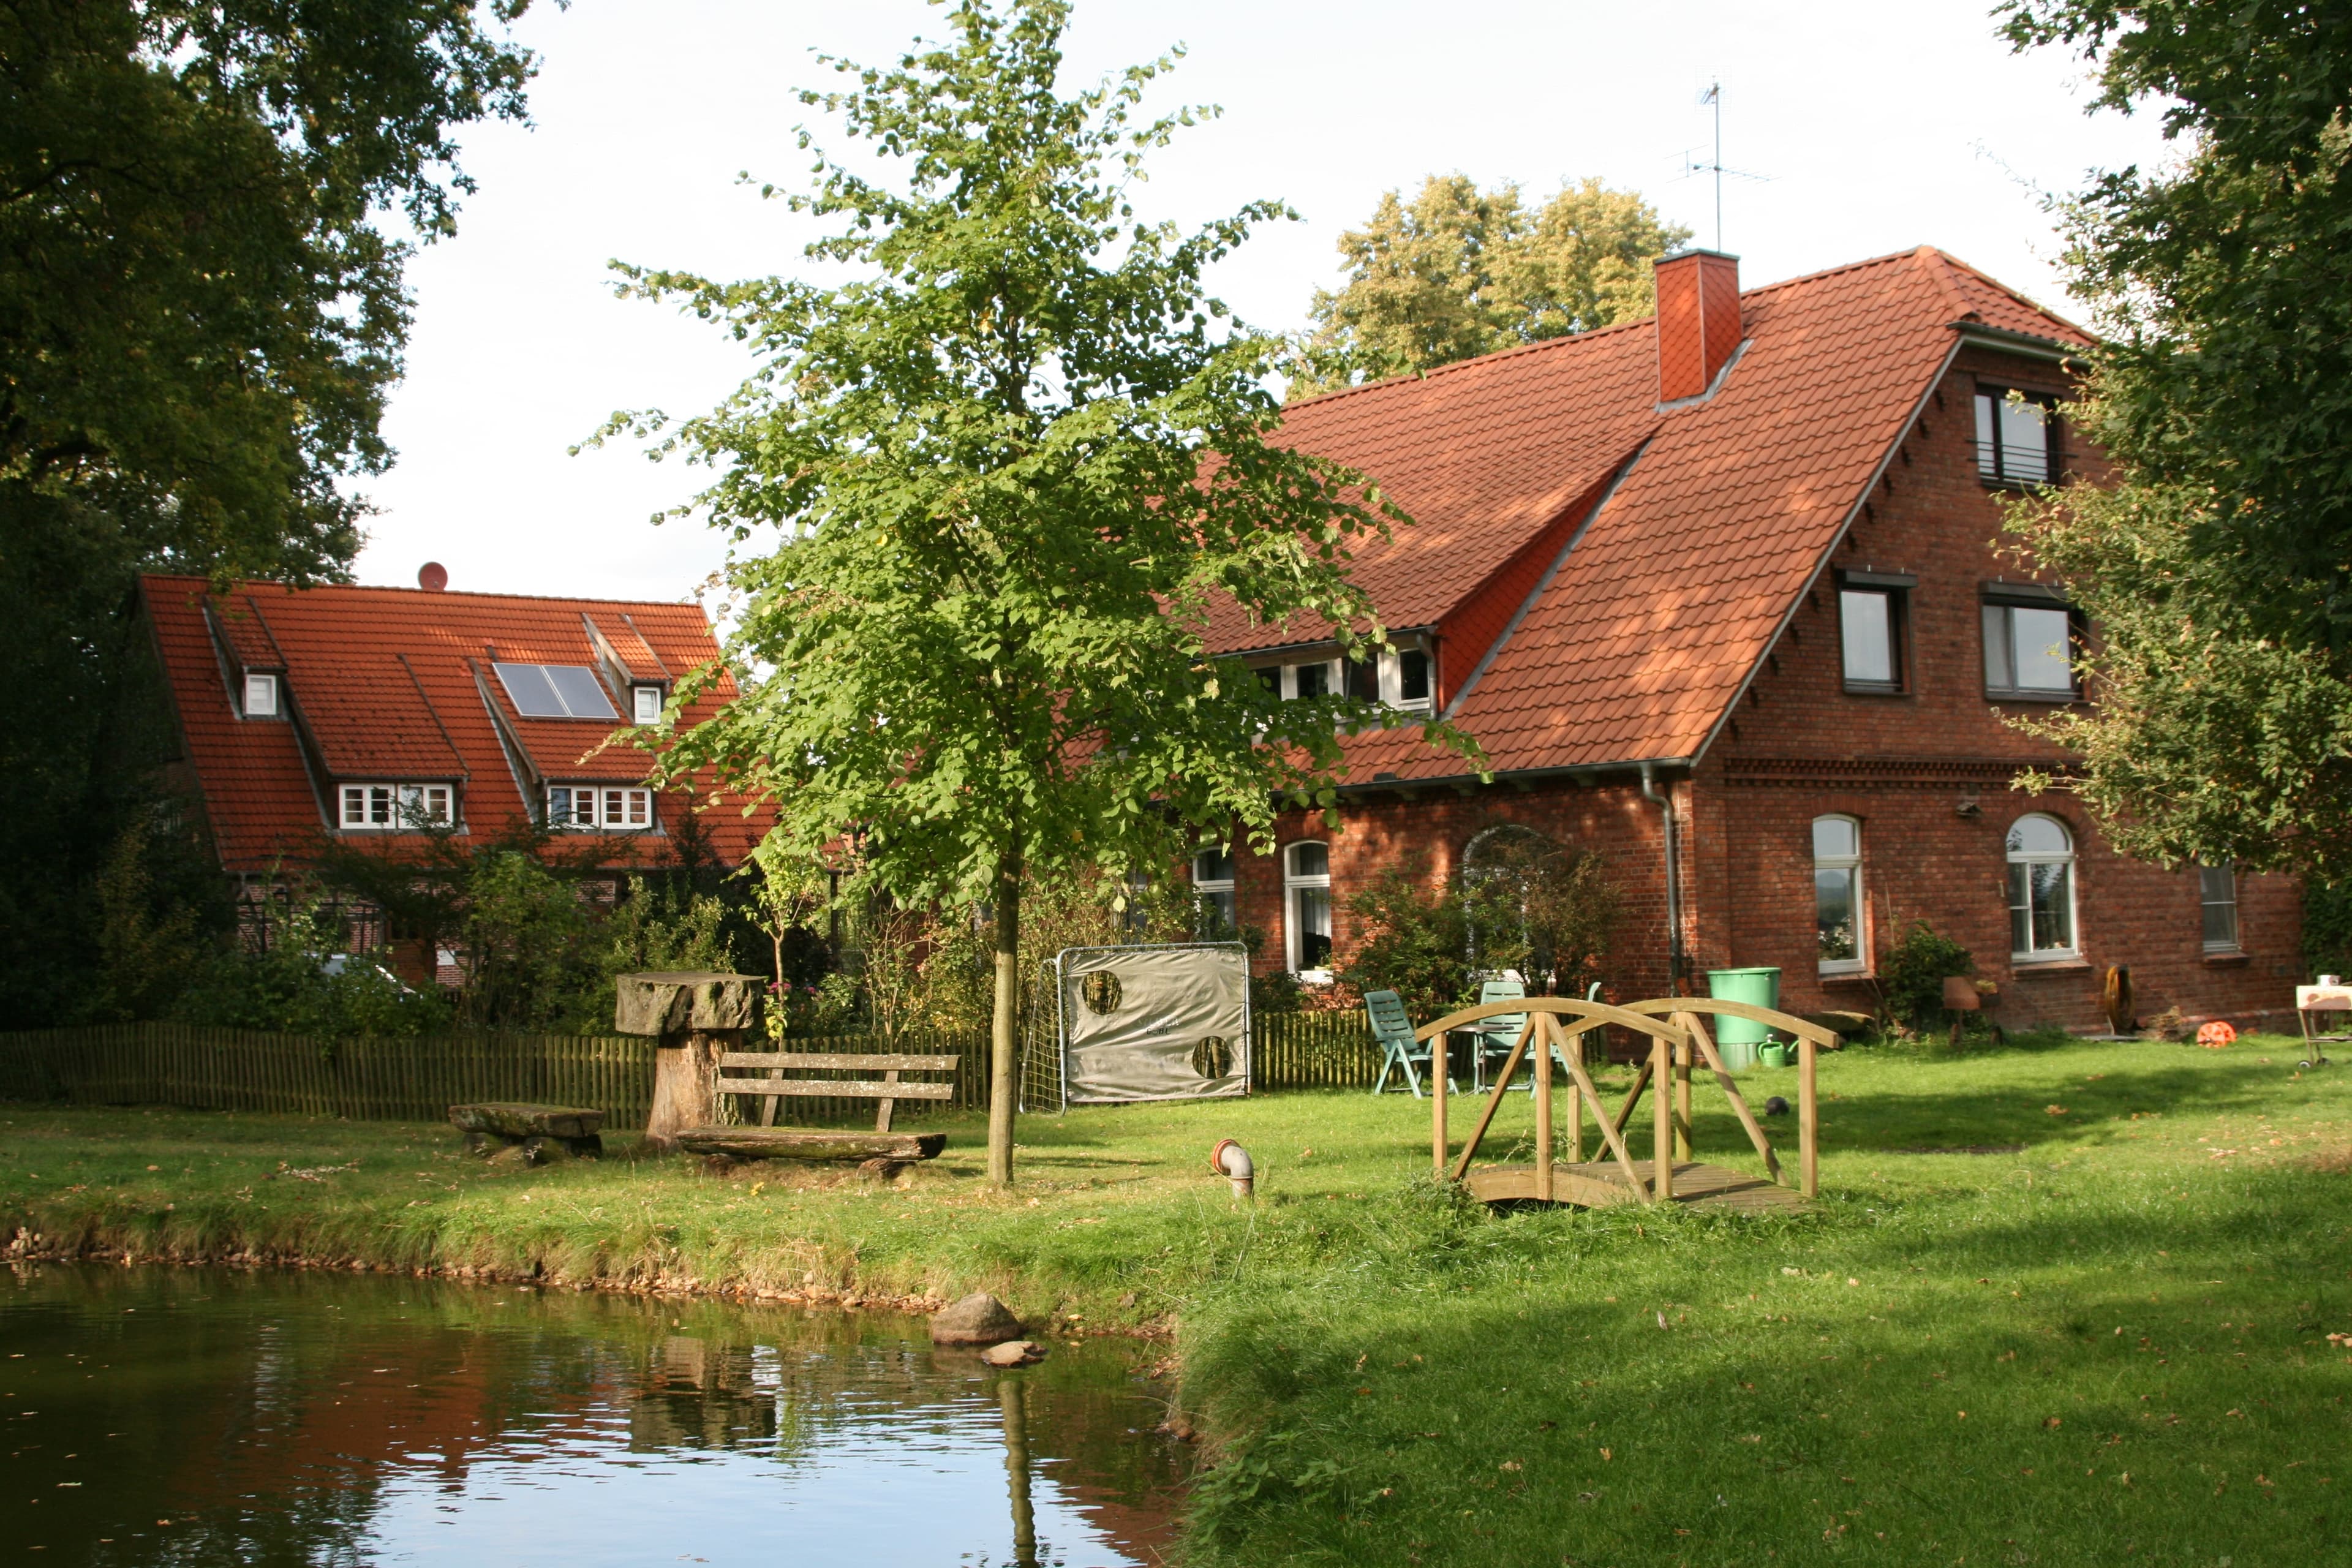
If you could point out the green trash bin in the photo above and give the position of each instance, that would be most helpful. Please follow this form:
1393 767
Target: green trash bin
1737 1038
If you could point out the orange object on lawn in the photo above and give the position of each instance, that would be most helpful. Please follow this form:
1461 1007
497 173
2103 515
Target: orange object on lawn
2216 1035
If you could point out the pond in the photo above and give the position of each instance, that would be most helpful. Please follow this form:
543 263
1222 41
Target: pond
214 1416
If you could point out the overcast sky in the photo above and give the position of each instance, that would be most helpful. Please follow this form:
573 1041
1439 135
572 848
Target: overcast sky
1870 126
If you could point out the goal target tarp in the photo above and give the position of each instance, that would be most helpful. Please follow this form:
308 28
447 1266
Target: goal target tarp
1154 1023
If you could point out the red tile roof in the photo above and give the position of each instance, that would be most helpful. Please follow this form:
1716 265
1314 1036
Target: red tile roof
1724 508
395 685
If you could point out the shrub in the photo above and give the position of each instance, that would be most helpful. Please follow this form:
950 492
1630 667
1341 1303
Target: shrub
1911 978
1413 941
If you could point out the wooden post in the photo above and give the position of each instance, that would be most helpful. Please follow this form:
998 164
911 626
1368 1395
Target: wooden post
696 1016
1808 1145
1543 1108
1008 1399
1437 1103
1683 1054
1661 1120
1575 1101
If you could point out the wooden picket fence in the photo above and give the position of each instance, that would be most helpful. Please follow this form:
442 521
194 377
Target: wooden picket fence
417 1077
1314 1050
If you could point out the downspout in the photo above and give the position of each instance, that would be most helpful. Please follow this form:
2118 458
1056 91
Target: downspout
1679 964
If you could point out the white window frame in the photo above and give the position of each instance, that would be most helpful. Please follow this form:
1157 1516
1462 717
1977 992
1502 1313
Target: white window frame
373 806
1392 680
1293 883
1219 890
2228 874
1334 677
1851 865
646 702
266 687
2025 859
608 808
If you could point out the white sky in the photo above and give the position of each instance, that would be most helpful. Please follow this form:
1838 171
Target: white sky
1879 126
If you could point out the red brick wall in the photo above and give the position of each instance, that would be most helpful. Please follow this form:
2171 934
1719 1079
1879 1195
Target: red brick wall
1907 765
1431 831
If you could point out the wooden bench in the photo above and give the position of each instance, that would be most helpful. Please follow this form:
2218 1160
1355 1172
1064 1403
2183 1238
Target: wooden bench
506 1124
767 1141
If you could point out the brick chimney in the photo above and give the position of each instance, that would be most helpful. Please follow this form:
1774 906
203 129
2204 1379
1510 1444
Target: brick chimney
1698 320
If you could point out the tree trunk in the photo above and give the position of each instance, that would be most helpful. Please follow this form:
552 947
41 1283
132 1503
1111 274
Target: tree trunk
1003 1042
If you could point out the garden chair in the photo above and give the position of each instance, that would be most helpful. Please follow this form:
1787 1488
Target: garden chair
1393 1030
1494 1038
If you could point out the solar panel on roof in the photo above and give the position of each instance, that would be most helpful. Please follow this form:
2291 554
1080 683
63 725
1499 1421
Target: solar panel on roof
582 694
555 691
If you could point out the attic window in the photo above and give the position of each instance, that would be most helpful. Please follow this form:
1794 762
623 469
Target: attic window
261 697
555 691
612 810
2017 437
391 807
648 699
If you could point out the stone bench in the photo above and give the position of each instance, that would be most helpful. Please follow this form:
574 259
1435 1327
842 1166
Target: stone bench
537 1130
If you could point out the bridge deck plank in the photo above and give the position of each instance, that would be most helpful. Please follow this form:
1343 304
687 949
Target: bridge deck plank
1595 1185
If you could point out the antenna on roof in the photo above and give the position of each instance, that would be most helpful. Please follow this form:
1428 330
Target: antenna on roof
1712 96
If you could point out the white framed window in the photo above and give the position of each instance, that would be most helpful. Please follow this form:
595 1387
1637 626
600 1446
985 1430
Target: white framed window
1307 909
1320 678
1212 891
1840 935
393 807
2217 894
1404 678
2017 437
647 702
2040 889
261 697
2029 648
585 809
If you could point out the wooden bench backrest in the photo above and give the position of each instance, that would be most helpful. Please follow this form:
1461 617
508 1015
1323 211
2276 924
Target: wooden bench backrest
886 1090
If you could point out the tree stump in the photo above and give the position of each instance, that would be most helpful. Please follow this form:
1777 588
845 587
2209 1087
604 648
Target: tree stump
696 1014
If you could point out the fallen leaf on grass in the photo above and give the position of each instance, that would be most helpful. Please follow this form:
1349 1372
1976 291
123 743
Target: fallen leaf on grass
2054 1110
2052 1421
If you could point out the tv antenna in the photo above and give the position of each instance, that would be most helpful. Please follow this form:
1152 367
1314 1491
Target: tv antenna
1694 165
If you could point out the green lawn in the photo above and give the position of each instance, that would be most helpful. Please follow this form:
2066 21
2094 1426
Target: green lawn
2103 1340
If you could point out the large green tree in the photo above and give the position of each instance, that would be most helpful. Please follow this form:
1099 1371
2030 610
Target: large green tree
2218 570
203 213
1006 469
1461 271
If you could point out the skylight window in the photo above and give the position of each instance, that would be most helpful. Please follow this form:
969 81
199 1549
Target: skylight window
555 691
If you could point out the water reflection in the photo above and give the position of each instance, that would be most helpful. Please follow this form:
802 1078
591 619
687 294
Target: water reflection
184 1416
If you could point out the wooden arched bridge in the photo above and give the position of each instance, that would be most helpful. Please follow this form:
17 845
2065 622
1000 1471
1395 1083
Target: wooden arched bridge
1556 1029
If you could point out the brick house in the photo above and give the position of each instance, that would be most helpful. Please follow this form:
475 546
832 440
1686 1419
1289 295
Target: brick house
1721 594
370 716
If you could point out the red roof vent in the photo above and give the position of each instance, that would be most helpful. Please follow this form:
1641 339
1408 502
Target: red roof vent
1698 320
433 577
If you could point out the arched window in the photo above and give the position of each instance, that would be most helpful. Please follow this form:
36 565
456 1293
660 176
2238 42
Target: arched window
2041 888
1838 923
1306 907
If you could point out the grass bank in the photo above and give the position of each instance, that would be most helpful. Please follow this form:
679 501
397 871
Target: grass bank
2061 1303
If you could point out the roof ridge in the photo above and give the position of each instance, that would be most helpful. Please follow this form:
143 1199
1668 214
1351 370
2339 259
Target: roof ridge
1927 255
1989 281
246 585
1491 354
